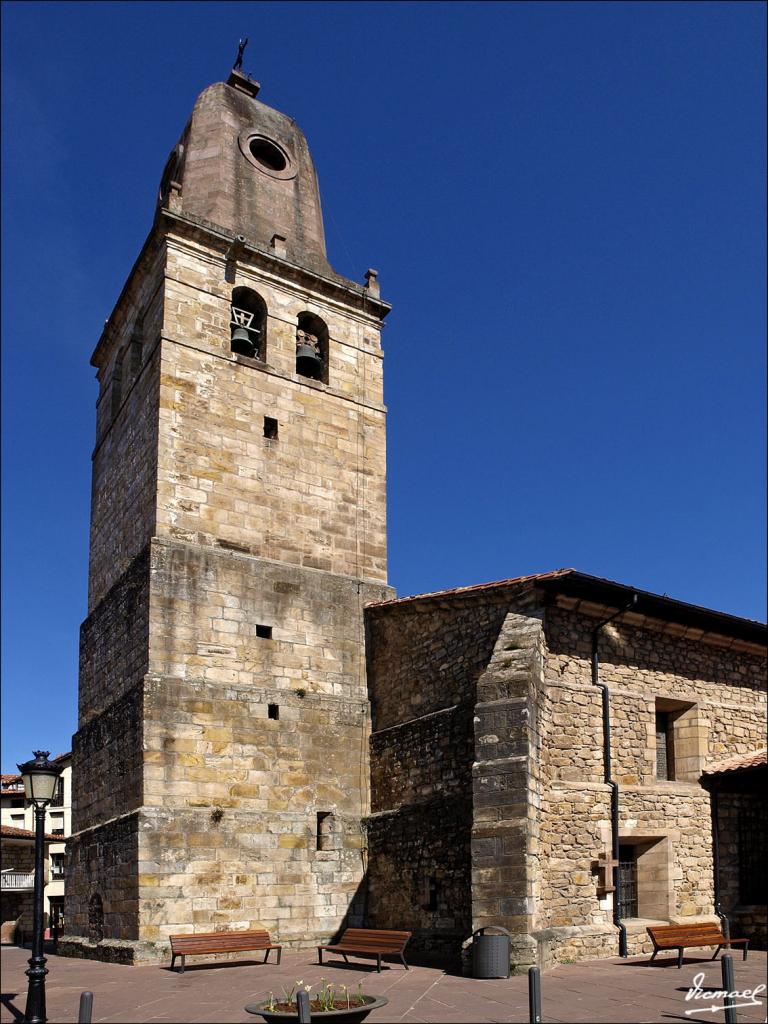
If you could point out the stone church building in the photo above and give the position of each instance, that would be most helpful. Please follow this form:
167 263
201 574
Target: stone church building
266 735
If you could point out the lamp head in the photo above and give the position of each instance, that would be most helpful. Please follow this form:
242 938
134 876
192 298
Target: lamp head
40 777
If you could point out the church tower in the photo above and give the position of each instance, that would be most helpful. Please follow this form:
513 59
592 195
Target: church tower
238 528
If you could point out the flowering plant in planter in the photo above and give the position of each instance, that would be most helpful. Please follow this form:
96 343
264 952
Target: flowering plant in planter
338 1004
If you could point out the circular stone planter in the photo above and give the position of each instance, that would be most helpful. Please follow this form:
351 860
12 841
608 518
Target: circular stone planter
350 1016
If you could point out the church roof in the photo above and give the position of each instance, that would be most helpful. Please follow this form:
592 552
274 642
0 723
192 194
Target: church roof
592 593
493 585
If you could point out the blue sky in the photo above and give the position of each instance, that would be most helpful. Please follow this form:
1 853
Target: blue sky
566 204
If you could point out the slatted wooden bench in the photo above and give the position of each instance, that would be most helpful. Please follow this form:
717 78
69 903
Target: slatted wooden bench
369 942
220 942
680 937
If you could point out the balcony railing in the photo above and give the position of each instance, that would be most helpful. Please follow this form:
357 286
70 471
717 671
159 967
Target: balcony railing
17 880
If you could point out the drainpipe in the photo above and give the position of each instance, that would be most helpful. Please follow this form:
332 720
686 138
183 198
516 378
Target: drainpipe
714 806
607 772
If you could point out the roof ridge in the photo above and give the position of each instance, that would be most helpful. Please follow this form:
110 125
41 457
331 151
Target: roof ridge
550 574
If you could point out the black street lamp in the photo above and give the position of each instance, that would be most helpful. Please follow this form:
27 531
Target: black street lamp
40 777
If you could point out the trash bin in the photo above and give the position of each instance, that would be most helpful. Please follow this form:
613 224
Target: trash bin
490 953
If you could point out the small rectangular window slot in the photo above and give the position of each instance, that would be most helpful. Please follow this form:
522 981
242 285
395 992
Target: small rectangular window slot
665 753
429 896
265 632
324 830
270 428
273 711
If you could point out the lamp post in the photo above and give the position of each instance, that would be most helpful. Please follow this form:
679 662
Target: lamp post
40 777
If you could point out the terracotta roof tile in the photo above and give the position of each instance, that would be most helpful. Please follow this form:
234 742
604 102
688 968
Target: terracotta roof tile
757 759
11 832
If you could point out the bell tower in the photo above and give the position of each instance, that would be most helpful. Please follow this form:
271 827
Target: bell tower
238 528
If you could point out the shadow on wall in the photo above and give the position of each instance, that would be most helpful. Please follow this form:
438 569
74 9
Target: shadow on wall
418 879
429 945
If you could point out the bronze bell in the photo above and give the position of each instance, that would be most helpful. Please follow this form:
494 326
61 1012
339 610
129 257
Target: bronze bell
242 342
308 361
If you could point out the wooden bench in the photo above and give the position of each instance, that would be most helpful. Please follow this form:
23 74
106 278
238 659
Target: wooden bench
220 942
679 937
369 942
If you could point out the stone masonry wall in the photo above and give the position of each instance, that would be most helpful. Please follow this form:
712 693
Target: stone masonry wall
101 863
540 810
247 739
114 641
313 497
110 744
505 792
125 456
427 655
19 856
721 694
107 780
420 868
424 659
418 841
424 758
746 917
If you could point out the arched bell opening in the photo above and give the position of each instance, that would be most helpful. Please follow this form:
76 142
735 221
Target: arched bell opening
248 324
312 347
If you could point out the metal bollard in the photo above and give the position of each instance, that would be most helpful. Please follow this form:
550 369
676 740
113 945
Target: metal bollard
728 986
85 1013
302 1004
534 995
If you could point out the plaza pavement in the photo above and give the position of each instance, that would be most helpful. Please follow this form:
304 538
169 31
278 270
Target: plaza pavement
612 991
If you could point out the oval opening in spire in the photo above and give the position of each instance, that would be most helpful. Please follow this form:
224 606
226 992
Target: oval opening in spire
266 153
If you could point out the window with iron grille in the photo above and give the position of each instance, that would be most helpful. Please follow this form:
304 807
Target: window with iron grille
753 854
57 865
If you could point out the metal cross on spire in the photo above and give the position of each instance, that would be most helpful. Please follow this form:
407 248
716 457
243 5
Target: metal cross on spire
241 45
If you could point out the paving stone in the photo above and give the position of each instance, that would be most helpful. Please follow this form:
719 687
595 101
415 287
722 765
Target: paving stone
599 992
